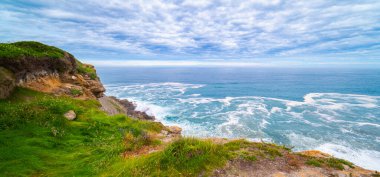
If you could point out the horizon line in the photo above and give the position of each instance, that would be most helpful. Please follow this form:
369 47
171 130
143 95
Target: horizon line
224 63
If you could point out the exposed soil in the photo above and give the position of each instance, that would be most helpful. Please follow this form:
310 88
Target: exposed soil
289 165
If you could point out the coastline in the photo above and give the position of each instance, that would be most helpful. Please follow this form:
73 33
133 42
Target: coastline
128 108
181 104
59 108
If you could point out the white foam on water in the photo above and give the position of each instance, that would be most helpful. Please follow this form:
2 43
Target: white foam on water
367 124
275 110
248 116
264 123
365 158
151 109
231 122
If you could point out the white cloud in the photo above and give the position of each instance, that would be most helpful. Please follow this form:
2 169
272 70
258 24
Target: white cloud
213 27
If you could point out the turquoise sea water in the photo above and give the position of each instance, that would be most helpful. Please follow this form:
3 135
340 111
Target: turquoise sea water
333 110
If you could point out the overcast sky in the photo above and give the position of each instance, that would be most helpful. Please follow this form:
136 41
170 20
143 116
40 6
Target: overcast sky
259 31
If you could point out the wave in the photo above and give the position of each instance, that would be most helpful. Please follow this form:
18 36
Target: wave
368 159
317 122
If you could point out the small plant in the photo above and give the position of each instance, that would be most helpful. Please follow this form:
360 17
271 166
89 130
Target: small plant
133 143
338 163
314 162
75 92
250 157
330 162
86 70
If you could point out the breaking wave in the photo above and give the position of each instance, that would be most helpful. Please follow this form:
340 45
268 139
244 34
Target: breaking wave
345 125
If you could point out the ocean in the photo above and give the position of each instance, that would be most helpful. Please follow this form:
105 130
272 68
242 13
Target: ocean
335 110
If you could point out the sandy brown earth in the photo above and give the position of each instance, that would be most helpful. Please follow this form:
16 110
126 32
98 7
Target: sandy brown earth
289 165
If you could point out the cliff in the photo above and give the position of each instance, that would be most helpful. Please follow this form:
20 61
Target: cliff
47 69
56 121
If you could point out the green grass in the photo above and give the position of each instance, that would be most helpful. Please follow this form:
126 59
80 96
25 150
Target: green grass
83 69
29 49
75 92
35 139
331 162
185 157
338 163
314 162
253 151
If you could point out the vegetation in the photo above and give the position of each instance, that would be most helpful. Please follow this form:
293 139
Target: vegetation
29 49
185 157
75 92
86 70
252 150
331 162
39 141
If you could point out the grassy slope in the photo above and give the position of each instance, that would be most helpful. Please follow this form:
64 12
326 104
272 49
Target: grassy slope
29 48
36 140
17 50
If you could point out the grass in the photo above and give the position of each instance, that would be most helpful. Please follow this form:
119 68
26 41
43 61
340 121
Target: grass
331 162
84 69
39 141
36 140
75 92
314 162
19 50
29 49
185 157
253 151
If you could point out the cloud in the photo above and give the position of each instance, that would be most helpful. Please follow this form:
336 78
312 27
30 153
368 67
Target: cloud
203 29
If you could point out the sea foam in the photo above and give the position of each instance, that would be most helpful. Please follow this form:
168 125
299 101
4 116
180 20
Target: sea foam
344 125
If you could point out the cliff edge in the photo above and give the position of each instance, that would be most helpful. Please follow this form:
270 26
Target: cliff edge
47 69
56 121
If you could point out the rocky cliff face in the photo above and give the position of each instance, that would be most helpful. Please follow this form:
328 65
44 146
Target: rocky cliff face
7 82
46 69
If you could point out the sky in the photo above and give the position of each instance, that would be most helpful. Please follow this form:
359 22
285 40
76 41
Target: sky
191 32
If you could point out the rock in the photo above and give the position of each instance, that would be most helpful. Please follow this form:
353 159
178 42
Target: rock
96 88
126 107
70 115
164 132
7 82
341 175
174 129
40 73
111 106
